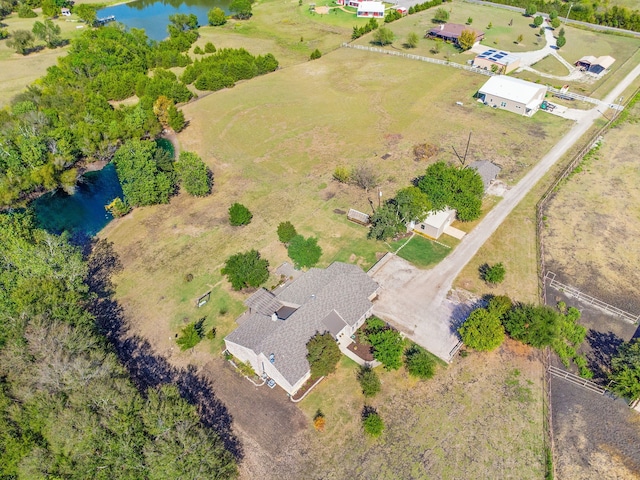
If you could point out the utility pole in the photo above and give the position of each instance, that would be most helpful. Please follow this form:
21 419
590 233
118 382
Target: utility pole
568 12
379 197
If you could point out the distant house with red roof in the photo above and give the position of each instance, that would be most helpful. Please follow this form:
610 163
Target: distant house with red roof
450 32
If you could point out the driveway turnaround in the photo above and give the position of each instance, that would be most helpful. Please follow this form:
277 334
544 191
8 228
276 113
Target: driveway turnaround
415 300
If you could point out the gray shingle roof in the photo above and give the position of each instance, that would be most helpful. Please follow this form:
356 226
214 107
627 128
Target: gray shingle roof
341 287
262 301
487 170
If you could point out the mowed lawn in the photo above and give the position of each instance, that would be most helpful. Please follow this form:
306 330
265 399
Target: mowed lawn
273 144
422 252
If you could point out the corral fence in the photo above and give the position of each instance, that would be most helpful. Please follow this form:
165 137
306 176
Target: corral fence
547 412
540 206
420 58
576 380
577 294
570 95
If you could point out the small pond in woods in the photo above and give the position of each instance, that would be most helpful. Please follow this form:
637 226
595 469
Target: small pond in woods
153 15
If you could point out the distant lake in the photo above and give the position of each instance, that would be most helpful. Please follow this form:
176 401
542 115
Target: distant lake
153 15
81 214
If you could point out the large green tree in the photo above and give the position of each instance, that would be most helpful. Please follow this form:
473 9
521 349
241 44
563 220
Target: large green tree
482 330
216 17
458 188
419 362
194 175
323 354
48 32
241 8
383 36
466 39
305 252
412 204
143 183
385 223
67 406
441 15
387 345
239 215
21 40
246 270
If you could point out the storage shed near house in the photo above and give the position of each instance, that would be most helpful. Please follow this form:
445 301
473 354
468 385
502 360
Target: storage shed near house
358 217
487 170
450 32
65 12
594 65
492 59
435 224
371 9
513 94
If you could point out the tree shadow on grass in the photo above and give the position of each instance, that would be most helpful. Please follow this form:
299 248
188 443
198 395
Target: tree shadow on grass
146 368
603 347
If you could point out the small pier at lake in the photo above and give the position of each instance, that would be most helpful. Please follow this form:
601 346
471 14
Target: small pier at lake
98 22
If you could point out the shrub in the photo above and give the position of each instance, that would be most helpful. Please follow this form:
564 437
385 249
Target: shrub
482 330
191 335
246 270
286 232
441 16
319 421
531 9
625 370
538 21
211 334
387 347
216 17
24 11
412 40
493 274
198 50
305 252
239 215
323 354
194 175
209 48
469 21
364 177
246 369
561 42
555 23
342 174
535 325
175 119
4 33
383 36
372 422
369 381
118 208
315 55
419 362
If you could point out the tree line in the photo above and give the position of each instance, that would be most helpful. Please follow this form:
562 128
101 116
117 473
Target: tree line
69 115
68 408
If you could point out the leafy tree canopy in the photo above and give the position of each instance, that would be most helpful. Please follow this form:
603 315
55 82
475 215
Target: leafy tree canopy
482 330
441 15
242 9
419 362
466 39
625 370
194 175
305 252
323 354
246 270
143 183
387 346
239 215
286 232
369 381
217 17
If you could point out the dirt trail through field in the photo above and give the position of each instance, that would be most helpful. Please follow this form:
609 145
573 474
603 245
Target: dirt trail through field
416 300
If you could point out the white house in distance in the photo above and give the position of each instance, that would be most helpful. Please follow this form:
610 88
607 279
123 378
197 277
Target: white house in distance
513 94
273 334
371 9
435 224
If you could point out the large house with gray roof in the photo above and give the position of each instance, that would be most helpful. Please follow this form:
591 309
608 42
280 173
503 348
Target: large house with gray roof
272 334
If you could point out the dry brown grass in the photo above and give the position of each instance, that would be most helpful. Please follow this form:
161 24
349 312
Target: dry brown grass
476 418
593 227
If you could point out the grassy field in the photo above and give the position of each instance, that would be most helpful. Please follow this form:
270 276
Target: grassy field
551 65
18 71
272 144
592 237
421 251
480 417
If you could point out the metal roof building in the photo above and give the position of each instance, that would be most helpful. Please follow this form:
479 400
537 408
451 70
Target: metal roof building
517 96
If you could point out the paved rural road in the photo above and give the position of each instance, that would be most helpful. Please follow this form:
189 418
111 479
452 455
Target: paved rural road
415 300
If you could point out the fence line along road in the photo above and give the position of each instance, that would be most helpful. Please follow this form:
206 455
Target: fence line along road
576 96
410 56
575 293
576 380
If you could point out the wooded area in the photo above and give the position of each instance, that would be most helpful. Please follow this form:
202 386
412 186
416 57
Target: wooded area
68 408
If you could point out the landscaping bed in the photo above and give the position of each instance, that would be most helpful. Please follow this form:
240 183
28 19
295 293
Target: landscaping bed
360 347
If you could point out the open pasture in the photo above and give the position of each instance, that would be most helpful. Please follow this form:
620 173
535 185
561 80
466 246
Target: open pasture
273 144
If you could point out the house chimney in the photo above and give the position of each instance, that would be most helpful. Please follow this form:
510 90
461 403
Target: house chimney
274 317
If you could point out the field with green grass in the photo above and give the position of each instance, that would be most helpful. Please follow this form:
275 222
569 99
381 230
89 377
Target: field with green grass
423 252
551 65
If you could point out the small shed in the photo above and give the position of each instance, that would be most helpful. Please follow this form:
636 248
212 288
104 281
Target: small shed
436 223
402 10
594 65
371 9
492 59
487 170
358 217
65 12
